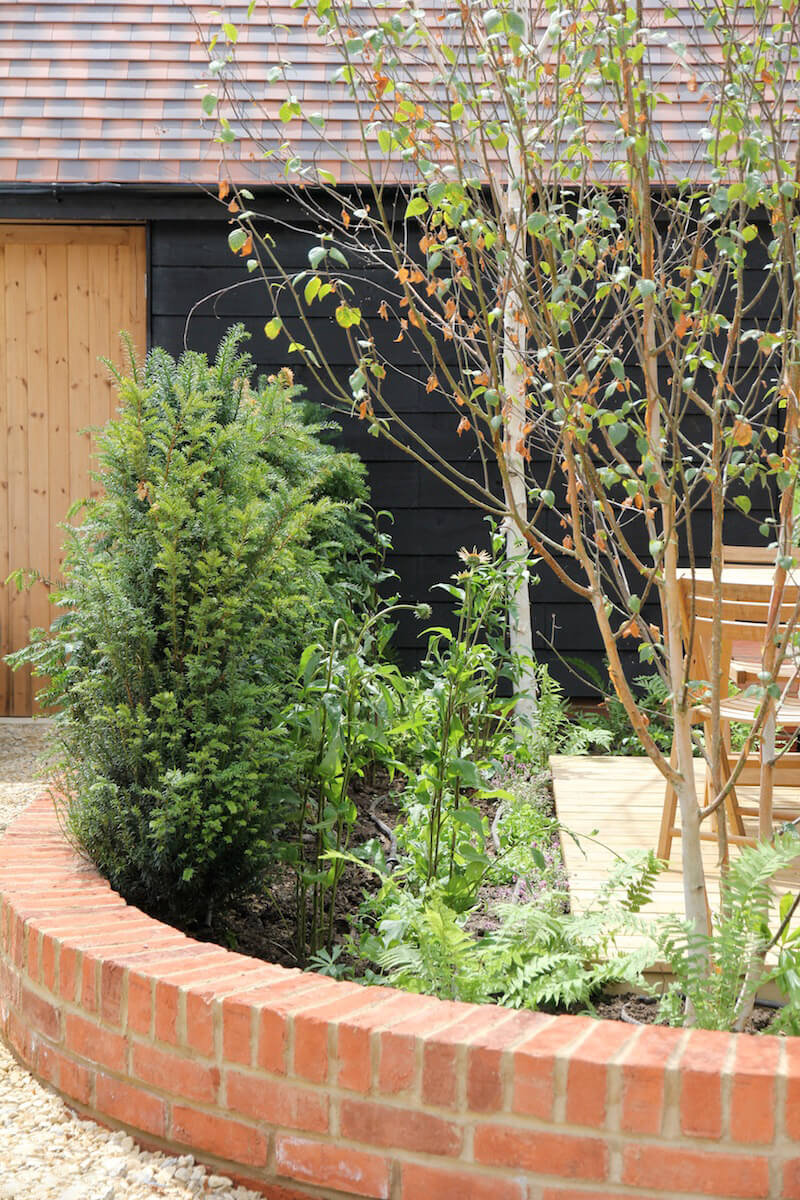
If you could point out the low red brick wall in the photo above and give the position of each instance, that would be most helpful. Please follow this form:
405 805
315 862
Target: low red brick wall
306 1087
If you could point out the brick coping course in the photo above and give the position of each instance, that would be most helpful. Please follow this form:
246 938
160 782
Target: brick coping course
305 1087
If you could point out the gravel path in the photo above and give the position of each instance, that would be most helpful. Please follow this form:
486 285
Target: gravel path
46 1151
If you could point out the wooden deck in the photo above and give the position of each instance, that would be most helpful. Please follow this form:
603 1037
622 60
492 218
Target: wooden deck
613 803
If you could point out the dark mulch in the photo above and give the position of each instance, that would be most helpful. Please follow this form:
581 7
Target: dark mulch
263 924
641 1010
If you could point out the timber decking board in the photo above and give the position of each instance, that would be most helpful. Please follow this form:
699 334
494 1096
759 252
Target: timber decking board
65 293
621 798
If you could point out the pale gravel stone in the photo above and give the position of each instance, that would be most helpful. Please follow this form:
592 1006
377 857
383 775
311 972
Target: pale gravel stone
47 1152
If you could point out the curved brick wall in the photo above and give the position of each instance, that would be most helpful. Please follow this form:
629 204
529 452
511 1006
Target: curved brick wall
305 1087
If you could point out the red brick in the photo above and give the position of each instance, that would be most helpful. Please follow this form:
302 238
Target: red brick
112 985
131 1105
67 972
10 984
19 1037
431 1183
49 963
534 1063
587 1074
337 1167
485 1055
440 1074
140 1003
70 1078
219 1136
354 1057
704 1172
277 1102
643 1075
276 1003
200 1024
238 1026
32 953
212 975
96 1044
354 1039
557 1193
18 941
380 1125
40 1015
179 1076
752 1118
166 1013
90 971
792 1106
791 1179
46 1063
701 1070
573 1157
397 1055
76 1081
312 1027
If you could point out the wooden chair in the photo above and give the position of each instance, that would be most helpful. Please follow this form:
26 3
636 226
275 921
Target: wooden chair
751 556
743 627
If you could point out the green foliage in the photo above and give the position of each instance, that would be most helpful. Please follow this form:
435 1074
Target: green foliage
571 290
559 729
429 951
536 958
460 722
736 947
525 833
192 585
341 729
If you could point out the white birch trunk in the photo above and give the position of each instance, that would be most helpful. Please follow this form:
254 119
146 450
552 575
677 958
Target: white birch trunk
514 348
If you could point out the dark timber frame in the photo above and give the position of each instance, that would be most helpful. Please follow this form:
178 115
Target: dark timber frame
188 260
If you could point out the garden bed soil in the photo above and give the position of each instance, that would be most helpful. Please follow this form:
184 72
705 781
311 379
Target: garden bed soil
262 924
642 1010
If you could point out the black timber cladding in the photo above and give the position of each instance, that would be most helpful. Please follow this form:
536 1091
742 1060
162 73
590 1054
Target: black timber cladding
189 261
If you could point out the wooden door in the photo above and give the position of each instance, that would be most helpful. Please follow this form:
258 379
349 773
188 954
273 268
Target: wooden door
66 292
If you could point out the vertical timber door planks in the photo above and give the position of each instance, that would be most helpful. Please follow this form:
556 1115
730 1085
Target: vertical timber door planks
15 617
36 313
58 392
66 292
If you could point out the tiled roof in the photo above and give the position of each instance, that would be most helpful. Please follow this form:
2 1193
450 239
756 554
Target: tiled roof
94 92
99 92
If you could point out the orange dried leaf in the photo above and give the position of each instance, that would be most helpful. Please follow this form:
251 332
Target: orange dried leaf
463 426
742 432
224 188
